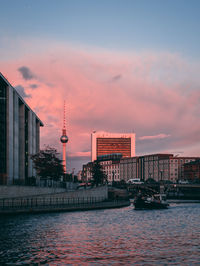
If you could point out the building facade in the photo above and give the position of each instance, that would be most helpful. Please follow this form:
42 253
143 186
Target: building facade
156 166
160 167
87 172
19 135
129 168
110 165
103 143
192 170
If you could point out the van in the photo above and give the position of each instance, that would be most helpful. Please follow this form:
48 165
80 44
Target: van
136 181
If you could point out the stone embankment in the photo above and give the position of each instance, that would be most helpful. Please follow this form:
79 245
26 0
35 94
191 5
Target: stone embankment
25 191
85 199
91 204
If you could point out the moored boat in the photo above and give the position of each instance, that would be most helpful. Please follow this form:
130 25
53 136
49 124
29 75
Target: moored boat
156 201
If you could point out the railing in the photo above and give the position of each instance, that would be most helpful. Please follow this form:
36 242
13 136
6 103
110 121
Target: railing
44 183
46 202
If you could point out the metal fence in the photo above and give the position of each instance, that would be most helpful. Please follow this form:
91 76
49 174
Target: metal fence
44 183
46 202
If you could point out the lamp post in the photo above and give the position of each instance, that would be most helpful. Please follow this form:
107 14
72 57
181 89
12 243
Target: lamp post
161 184
113 177
161 172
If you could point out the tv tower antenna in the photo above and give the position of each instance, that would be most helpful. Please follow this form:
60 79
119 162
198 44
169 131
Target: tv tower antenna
64 140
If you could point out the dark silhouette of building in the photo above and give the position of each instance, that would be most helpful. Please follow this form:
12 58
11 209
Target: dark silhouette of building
19 135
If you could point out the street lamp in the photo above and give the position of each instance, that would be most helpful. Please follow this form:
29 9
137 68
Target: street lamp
161 183
113 177
161 172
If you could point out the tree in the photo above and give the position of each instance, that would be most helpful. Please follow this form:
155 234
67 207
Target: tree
47 164
98 175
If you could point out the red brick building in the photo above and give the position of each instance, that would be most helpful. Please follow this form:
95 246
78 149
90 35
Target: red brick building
192 170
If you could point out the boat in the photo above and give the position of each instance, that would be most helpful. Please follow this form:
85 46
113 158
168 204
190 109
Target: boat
156 201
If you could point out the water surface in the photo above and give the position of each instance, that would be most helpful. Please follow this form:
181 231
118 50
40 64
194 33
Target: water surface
103 237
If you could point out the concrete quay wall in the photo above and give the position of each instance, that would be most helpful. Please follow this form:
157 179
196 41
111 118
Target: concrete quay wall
25 191
55 200
100 192
66 207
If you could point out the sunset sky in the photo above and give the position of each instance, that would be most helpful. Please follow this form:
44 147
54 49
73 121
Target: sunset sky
121 66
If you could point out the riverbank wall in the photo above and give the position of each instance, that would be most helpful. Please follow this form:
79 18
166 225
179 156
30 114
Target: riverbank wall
26 191
84 206
59 200
14 193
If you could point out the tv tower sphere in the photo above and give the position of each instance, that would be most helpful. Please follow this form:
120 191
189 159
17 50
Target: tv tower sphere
64 139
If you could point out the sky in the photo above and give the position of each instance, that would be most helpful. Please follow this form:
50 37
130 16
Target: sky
121 66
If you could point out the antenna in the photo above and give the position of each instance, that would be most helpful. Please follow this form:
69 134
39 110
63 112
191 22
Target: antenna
64 116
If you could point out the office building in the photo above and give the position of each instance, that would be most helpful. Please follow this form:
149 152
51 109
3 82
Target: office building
19 135
103 143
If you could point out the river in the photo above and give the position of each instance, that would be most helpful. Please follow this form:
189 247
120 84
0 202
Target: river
103 237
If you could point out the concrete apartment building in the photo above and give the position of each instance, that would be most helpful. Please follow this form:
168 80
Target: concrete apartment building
111 166
103 143
129 168
192 170
19 135
87 172
177 164
156 166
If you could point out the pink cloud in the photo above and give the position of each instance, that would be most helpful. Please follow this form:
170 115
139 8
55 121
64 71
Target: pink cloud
110 91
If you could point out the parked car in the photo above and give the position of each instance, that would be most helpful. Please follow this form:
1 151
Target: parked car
183 182
136 181
84 185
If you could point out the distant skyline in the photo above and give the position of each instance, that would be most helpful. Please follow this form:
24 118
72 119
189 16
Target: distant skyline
121 66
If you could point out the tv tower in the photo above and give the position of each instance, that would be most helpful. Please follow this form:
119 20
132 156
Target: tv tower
64 140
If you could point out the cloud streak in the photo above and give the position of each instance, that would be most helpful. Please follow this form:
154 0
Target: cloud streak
159 136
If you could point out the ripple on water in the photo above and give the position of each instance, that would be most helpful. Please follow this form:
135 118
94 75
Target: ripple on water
103 237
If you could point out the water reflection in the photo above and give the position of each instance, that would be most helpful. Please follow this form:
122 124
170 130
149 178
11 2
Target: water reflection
103 237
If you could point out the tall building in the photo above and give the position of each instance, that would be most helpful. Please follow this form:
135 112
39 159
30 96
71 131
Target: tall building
64 140
19 135
107 143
